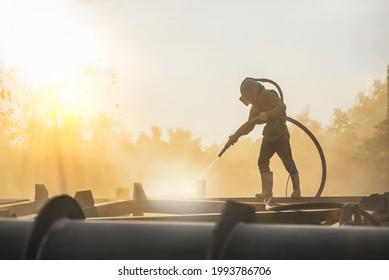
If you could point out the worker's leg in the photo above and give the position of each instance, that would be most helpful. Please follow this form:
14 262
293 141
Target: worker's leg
266 152
267 186
285 153
296 185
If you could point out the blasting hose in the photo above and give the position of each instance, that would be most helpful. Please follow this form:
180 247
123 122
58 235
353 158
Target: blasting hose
295 122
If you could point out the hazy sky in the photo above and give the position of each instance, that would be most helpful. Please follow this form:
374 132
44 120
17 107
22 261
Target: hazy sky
180 63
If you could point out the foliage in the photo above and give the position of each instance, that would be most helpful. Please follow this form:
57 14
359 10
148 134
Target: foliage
42 141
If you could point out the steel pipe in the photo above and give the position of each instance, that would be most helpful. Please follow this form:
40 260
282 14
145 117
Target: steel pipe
290 242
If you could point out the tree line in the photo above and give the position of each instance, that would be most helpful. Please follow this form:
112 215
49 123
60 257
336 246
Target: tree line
44 143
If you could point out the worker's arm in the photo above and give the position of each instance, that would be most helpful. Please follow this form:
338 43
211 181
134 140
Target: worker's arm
243 130
247 127
278 110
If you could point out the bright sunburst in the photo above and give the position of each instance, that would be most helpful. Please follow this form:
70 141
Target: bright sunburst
53 50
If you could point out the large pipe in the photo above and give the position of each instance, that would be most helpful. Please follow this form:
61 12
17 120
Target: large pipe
14 238
291 242
81 240
59 232
78 239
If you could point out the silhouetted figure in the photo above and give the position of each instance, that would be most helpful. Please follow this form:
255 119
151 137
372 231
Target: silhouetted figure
268 108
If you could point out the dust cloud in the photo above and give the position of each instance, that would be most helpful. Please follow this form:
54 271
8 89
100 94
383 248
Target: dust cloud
68 153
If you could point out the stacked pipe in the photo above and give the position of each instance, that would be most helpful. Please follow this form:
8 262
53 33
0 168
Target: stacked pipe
60 232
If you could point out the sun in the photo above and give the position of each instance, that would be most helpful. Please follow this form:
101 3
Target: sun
56 61
52 51
70 97
49 45
79 94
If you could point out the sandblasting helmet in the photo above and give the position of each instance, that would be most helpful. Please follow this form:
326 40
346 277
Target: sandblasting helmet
248 88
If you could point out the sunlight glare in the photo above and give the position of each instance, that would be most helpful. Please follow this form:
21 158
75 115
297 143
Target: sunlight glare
49 46
69 97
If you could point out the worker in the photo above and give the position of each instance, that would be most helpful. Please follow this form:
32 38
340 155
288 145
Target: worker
267 107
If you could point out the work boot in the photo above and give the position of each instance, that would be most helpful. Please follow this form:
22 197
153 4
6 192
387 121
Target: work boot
296 185
267 186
